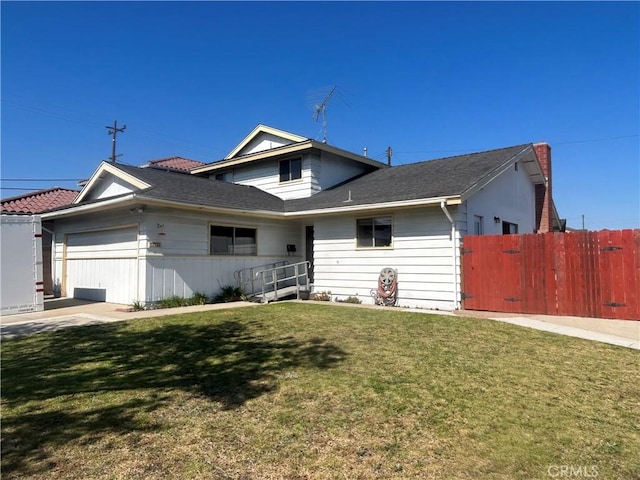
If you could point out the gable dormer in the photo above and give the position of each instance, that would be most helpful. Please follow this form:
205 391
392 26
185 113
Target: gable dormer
287 165
263 138
109 181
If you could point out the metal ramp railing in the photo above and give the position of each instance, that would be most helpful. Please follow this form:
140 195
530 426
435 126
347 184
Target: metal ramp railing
283 281
247 280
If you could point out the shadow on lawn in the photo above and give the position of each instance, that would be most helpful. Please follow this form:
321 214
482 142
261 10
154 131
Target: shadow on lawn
228 363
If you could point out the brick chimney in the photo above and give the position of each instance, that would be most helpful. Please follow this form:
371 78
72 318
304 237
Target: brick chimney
544 204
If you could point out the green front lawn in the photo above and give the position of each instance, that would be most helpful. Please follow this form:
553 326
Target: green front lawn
306 391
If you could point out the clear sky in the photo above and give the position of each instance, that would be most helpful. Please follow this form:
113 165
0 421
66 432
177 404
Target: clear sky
428 79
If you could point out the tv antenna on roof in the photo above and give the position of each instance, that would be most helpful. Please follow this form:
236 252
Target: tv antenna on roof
323 108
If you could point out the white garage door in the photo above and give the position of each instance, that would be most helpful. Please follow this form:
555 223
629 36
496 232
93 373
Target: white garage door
102 265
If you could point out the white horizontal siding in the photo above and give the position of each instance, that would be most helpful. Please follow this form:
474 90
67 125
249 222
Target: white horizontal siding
183 276
510 198
421 253
334 170
264 141
187 233
266 177
110 186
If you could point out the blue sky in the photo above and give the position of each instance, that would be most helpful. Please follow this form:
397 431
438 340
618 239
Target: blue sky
428 79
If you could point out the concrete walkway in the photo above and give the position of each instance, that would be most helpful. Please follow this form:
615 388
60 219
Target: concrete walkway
624 333
62 313
68 312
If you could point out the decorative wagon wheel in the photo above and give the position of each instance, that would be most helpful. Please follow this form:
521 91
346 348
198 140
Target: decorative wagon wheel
386 292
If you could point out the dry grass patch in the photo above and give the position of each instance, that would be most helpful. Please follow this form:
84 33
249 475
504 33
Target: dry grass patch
312 392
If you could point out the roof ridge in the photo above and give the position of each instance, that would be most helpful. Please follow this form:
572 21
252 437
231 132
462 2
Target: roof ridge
463 155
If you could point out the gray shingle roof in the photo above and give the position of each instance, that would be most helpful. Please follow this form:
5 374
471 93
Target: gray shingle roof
187 188
430 179
445 177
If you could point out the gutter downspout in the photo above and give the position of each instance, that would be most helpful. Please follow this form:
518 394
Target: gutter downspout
454 257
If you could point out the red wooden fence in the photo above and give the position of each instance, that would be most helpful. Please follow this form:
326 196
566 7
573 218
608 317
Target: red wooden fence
585 274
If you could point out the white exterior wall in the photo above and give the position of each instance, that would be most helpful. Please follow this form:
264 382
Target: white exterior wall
264 141
182 265
266 176
112 267
422 253
510 197
110 186
318 173
334 170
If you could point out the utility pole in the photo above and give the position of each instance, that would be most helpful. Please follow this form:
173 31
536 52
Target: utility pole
113 131
389 153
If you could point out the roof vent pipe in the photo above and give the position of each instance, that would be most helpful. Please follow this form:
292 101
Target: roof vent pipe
364 151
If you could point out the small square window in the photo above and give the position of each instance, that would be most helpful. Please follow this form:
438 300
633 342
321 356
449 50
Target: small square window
290 169
374 232
509 228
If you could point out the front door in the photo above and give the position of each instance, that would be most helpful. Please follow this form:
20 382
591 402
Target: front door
309 250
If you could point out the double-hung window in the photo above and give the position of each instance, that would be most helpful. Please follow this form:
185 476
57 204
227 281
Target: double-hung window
374 232
290 169
233 241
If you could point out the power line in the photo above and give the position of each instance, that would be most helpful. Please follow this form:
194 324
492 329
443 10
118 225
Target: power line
21 188
40 179
551 142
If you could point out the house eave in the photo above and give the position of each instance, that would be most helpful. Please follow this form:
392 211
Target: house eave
300 147
263 129
109 168
121 201
419 202
526 157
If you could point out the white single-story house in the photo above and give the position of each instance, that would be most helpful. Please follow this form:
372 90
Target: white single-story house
140 234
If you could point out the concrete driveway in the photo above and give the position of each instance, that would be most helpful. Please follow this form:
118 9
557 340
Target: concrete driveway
63 312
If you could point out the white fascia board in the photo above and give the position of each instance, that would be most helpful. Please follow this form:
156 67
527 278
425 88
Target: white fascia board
116 172
127 199
252 157
420 202
264 129
208 208
287 150
347 154
483 182
137 199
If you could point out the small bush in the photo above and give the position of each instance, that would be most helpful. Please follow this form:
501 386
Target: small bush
352 300
198 298
137 306
173 302
230 293
322 297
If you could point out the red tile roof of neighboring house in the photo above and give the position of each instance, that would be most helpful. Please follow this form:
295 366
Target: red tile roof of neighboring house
39 201
175 163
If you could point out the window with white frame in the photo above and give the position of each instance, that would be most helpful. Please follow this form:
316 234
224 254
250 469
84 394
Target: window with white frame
478 225
374 232
290 169
227 240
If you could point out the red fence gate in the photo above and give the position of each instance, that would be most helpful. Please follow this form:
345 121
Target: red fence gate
586 274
